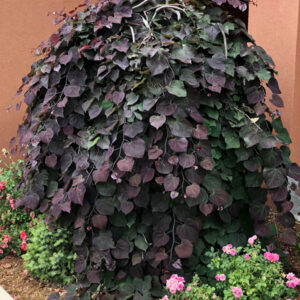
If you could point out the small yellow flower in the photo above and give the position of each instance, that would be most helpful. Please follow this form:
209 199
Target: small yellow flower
283 275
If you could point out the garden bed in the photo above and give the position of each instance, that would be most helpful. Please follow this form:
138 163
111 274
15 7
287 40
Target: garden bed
16 281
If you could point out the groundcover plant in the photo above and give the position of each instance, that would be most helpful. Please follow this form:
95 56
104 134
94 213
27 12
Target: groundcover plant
148 133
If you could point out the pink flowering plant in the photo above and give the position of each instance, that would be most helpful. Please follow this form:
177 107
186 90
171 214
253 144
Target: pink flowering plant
251 273
178 289
14 223
244 273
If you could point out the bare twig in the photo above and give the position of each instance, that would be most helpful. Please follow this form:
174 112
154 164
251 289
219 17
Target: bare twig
225 40
173 238
132 33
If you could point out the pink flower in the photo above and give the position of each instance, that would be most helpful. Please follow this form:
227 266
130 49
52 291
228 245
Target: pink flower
291 284
2 185
23 236
232 252
222 277
1 251
226 249
217 277
237 292
23 246
252 239
290 276
31 215
246 256
272 257
165 298
188 288
175 283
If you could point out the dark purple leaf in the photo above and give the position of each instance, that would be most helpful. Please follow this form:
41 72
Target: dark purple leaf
163 167
76 194
173 160
277 100
213 30
192 190
157 64
255 95
65 59
171 183
217 62
104 241
132 191
50 94
185 249
286 219
273 86
294 172
72 91
147 174
157 121
94 111
160 239
207 164
287 206
121 60
154 153
118 97
289 237
219 197
102 174
105 206
46 135
161 255
125 164
206 209
31 200
166 109
121 45
80 264
93 276
186 160
135 180
132 130
279 194
127 207
178 144
274 177
262 229
189 230
135 148
181 128
122 250
99 221
200 132
77 77
51 161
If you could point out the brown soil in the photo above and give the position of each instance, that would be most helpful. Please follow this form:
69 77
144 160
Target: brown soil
17 282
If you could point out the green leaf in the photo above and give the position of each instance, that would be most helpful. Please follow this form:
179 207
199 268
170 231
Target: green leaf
231 138
211 236
176 87
264 75
141 243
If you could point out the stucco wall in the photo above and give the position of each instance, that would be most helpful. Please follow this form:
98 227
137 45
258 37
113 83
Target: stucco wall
23 25
275 24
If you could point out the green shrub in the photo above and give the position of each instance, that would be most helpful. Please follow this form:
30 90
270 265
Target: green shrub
49 256
152 132
13 221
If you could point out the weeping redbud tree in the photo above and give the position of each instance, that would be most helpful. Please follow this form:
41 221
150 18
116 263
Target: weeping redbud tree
148 134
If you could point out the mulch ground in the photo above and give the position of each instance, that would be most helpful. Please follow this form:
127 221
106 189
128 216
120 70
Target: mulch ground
16 281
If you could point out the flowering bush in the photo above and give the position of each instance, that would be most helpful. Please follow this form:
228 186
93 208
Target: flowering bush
49 256
240 273
14 222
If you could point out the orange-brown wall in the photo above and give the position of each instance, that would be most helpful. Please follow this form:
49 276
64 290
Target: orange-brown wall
275 26
23 25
